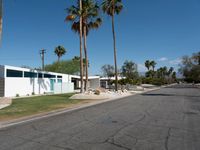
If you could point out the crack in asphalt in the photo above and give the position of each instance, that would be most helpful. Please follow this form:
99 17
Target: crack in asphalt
167 139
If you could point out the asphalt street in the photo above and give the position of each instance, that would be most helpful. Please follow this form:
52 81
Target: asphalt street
166 119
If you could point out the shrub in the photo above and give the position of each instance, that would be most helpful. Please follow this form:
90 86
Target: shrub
33 93
17 95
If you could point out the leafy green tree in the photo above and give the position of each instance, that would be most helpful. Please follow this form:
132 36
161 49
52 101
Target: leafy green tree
65 66
59 51
112 7
190 67
196 58
108 70
129 70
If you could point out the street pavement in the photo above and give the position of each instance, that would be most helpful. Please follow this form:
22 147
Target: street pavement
166 119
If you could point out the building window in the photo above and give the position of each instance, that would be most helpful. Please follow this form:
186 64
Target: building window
14 73
30 74
40 75
49 76
59 77
59 80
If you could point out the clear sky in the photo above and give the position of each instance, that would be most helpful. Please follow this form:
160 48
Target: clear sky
160 30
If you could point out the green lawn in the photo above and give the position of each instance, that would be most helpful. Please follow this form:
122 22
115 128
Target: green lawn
22 107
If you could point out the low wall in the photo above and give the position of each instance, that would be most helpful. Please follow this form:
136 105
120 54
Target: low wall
63 88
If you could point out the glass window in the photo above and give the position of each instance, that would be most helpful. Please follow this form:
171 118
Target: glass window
30 74
59 76
59 80
14 73
40 75
49 76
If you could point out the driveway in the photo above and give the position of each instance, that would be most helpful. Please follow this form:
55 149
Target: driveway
167 119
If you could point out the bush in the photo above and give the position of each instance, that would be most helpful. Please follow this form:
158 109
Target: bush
154 81
33 93
17 95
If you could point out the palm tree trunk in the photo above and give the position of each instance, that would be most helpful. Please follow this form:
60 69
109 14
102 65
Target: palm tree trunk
86 59
81 58
115 51
1 18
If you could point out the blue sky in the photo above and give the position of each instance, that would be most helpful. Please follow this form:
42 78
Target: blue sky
158 30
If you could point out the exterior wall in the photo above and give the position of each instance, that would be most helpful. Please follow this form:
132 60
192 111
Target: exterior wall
94 83
30 81
63 88
28 85
24 86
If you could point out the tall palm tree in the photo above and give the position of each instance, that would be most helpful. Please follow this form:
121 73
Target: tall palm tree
59 51
90 20
1 18
74 15
147 64
112 7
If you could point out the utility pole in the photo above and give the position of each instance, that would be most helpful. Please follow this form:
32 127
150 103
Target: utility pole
42 52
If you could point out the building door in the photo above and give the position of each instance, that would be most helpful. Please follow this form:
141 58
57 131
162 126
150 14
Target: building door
52 81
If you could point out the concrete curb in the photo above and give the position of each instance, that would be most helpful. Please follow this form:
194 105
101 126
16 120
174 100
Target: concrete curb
66 110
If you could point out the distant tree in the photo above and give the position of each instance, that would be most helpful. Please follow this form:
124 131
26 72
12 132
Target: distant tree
147 64
170 71
108 70
59 51
196 58
65 66
77 58
190 67
153 64
174 76
112 7
129 70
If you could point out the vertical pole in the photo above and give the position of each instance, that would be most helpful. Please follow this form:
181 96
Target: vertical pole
1 19
42 52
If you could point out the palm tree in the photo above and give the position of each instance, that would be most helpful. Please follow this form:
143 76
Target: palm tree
76 18
112 7
90 20
153 64
147 64
1 18
59 51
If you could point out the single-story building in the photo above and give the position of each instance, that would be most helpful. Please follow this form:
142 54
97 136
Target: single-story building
22 81
93 81
105 82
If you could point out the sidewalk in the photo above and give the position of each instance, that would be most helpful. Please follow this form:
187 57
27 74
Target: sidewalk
65 110
5 102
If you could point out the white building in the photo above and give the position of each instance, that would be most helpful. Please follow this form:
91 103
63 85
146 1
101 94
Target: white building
104 81
21 81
